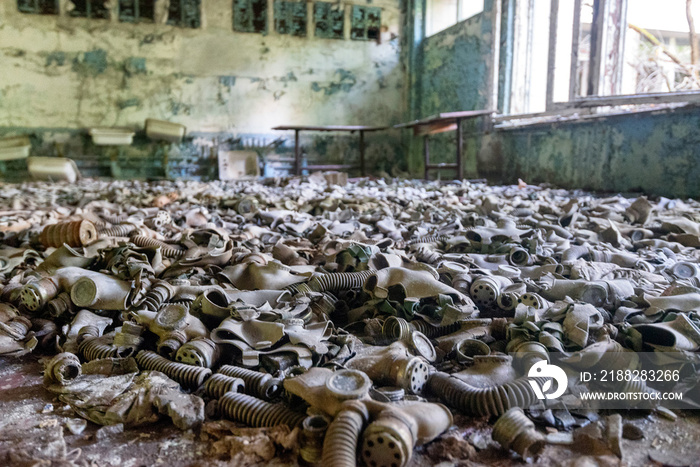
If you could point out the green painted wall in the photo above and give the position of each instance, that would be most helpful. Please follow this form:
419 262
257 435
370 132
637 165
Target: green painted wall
657 153
451 74
61 75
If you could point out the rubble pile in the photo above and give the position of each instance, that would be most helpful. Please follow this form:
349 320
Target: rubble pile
361 317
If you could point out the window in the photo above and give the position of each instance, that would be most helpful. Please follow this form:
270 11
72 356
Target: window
441 14
38 7
250 16
184 13
594 53
135 11
366 23
329 20
93 9
290 18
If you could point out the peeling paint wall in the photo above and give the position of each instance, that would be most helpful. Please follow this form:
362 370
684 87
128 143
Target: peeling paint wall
451 74
657 153
64 74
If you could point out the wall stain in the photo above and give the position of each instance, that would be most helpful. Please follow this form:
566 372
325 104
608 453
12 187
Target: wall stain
227 81
57 57
135 66
346 80
131 102
91 63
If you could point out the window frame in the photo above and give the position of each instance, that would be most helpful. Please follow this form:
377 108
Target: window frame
137 18
602 46
36 10
88 11
180 22
366 11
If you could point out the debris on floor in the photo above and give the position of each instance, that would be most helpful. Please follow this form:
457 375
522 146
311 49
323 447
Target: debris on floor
371 322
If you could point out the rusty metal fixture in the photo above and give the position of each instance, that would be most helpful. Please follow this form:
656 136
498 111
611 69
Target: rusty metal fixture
62 369
513 430
218 385
261 385
168 250
101 292
199 352
74 233
35 295
61 305
343 435
313 432
257 413
189 377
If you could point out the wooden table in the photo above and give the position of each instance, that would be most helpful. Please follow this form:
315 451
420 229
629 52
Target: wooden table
350 129
440 123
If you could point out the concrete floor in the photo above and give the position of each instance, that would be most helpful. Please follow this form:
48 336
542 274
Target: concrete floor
33 432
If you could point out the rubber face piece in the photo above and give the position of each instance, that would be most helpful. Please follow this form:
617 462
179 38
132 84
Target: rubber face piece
349 384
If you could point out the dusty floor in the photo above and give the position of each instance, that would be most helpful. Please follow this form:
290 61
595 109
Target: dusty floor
38 429
33 429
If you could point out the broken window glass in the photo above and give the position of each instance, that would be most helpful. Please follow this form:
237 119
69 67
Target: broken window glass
135 11
250 16
329 20
38 7
366 23
93 9
185 13
290 18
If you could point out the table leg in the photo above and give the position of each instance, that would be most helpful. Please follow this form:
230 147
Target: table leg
426 155
297 154
460 142
362 153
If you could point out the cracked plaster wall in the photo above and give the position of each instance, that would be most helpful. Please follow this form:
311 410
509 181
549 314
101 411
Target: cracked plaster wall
63 74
